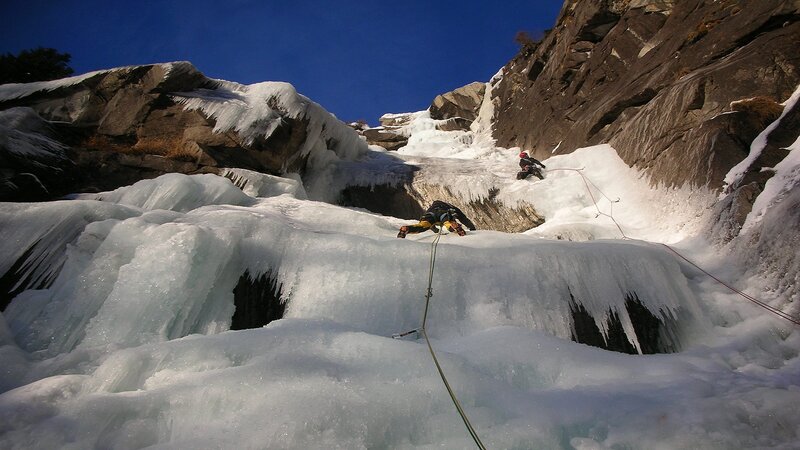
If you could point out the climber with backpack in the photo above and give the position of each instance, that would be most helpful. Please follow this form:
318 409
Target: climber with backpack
529 166
439 214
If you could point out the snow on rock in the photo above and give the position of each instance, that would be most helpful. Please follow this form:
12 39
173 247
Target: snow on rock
256 111
757 146
264 126
768 241
785 180
13 91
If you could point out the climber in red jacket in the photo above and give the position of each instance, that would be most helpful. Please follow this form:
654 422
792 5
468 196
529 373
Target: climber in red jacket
529 166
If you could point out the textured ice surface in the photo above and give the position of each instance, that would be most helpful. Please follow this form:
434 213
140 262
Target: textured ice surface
129 346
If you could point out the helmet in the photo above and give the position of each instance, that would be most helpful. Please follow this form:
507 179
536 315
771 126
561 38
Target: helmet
523 155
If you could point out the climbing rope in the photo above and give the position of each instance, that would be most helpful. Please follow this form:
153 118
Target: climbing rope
422 330
428 295
769 308
760 303
587 182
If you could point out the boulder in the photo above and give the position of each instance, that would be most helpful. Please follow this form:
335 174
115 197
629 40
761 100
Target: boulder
388 138
395 120
463 102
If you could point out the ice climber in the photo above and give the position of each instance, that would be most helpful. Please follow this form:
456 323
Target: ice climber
439 214
529 166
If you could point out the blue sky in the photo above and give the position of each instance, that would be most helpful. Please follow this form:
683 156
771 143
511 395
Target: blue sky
359 60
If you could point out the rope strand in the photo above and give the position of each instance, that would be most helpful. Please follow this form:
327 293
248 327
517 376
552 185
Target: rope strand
752 299
428 295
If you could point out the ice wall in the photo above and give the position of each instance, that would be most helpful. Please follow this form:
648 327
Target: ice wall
23 134
160 274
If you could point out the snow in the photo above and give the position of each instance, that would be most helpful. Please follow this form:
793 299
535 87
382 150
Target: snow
767 238
128 343
11 91
176 192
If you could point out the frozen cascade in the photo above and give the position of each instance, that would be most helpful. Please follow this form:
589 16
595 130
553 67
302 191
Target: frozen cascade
36 237
128 348
175 271
121 335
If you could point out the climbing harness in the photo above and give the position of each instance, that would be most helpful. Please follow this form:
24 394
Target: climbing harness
760 303
422 330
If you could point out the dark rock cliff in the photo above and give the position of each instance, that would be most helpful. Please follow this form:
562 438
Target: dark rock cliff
667 83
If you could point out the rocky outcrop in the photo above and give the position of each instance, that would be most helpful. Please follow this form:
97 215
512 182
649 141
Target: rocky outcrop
664 82
389 135
463 102
388 138
123 125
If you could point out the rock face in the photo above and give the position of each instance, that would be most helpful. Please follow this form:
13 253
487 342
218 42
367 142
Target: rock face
669 84
122 125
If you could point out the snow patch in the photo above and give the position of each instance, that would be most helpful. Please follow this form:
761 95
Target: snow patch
13 91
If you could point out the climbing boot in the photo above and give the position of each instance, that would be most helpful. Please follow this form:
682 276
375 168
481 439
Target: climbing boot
403 232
